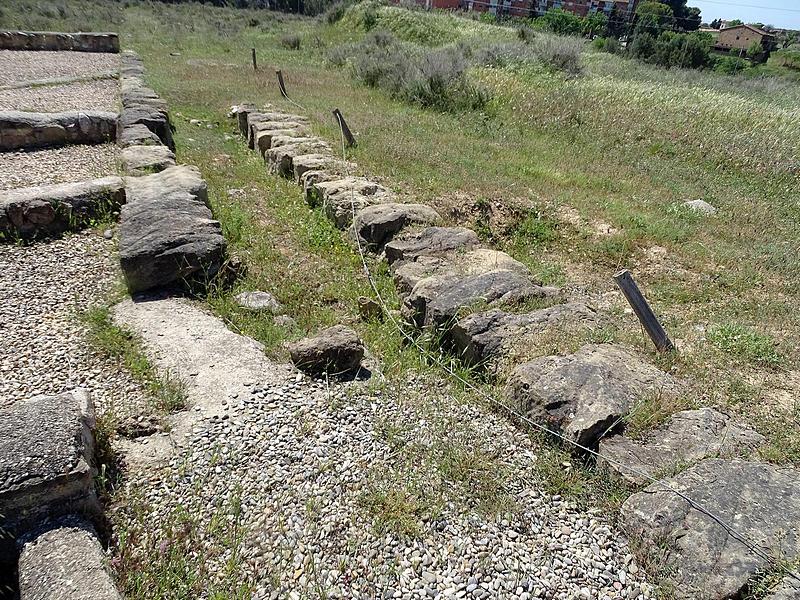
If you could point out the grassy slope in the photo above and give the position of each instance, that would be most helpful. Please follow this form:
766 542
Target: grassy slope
597 166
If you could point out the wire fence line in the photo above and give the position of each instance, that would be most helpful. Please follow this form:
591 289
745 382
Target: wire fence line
752 546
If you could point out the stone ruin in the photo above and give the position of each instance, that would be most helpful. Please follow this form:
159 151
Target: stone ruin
52 527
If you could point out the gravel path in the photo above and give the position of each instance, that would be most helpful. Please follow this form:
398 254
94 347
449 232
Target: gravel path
17 66
314 468
57 165
44 349
98 94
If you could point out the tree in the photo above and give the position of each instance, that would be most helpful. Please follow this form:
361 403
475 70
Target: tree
716 24
594 24
754 51
653 17
691 21
735 22
562 22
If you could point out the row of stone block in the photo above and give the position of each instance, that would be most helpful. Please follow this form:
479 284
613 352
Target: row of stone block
441 273
59 41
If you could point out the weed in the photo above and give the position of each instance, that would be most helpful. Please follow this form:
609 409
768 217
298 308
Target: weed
746 344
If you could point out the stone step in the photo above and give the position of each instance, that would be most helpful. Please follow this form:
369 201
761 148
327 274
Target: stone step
58 41
65 562
262 138
20 130
489 336
584 396
695 553
46 462
167 234
431 241
52 209
281 160
688 436
137 135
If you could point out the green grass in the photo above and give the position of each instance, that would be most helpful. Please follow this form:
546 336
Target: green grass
746 344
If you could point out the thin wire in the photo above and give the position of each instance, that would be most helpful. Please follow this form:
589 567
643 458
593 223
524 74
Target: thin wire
753 547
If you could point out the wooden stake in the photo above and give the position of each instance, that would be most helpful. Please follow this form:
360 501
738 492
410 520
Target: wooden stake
348 135
281 85
646 316
255 64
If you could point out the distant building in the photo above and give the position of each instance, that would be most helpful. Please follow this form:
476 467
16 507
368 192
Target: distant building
624 8
741 37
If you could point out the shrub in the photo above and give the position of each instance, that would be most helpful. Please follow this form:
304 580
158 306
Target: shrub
525 34
730 65
335 12
292 42
561 22
560 53
607 44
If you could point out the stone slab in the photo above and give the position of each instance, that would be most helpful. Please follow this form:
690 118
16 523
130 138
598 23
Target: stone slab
142 160
376 225
700 557
431 241
688 436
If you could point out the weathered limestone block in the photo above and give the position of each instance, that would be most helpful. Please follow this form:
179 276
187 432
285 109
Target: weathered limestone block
409 273
320 192
701 558
438 301
65 562
689 436
378 224
141 160
46 461
38 130
58 41
336 350
320 166
167 234
485 336
259 301
586 394
262 138
137 135
52 209
281 159
253 118
431 241
151 117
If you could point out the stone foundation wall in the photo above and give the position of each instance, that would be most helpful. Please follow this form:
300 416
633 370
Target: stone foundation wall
57 41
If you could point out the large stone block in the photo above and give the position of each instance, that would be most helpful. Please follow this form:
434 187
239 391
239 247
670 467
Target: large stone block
486 336
584 396
52 209
65 562
336 350
155 119
377 224
38 130
46 462
688 436
167 234
431 241
698 554
137 135
141 160
281 160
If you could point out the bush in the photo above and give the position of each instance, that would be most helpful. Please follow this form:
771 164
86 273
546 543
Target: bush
292 42
335 12
560 53
730 65
525 34
607 44
561 22
671 49
434 78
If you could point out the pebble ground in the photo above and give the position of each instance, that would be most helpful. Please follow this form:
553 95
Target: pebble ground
43 289
57 165
98 94
315 468
18 66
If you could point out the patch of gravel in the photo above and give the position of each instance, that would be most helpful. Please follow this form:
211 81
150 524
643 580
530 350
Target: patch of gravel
98 94
18 66
57 165
44 347
305 461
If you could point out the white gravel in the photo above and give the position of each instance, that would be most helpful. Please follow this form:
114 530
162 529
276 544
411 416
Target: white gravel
17 66
44 349
57 165
98 94
305 461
